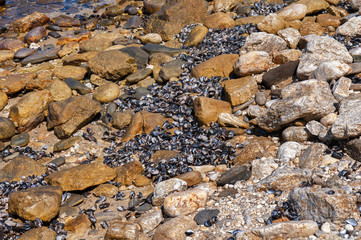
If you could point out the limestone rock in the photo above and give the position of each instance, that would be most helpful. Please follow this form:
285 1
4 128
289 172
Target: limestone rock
289 150
291 36
314 6
175 228
81 177
341 89
263 167
253 62
310 28
351 28
229 120
40 202
296 134
207 110
150 221
221 65
293 12
262 41
332 70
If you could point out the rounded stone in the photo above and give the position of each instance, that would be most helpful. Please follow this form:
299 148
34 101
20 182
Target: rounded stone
151 38
21 140
35 35
7 128
261 98
107 92
59 90
3 100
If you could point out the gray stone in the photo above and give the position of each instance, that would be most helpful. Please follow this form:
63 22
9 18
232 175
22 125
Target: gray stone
42 56
320 49
171 69
163 189
348 122
24 52
289 150
356 68
235 174
263 167
139 75
331 70
351 28
291 36
315 128
76 85
261 98
309 99
341 89
141 57
21 140
152 48
205 215
262 41
140 92
133 22
150 221
312 156
317 205
296 134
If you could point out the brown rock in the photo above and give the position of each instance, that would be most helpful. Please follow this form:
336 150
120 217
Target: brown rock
59 90
151 6
127 172
29 111
7 128
21 166
328 20
314 6
73 38
293 12
272 23
107 92
238 91
192 178
308 28
253 62
66 21
95 44
3 100
15 83
122 230
141 180
107 190
67 116
6 55
152 120
11 44
121 119
66 143
81 177
287 55
174 15
135 127
163 155
221 65
207 110
33 20
196 35
68 49
312 156
219 20
279 76
78 59
35 35
247 20
112 65
78 226
159 58
175 228
40 202
78 73
42 233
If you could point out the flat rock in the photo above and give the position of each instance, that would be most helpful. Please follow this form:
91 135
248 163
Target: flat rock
21 166
175 228
139 75
312 156
279 75
221 65
341 89
29 111
78 73
311 28
317 101
122 230
192 178
41 56
185 202
42 233
74 84
205 215
7 128
262 41
236 173
112 65
207 110
67 116
108 190
140 55
40 202
152 48
81 177
239 91
66 143
33 20
66 21
6 55
317 205
95 44
24 52
348 122
12 44
314 6
133 22
14 83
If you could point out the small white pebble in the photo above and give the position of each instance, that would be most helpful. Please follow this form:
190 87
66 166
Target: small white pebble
349 227
326 227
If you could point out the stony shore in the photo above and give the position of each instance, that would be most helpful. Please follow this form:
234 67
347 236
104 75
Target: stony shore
182 119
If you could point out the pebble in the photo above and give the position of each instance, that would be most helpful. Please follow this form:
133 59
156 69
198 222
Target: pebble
21 140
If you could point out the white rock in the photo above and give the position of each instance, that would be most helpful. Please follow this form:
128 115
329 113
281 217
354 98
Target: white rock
289 150
229 120
293 12
327 71
151 38
351 28
326 227
150 221
315 127
262 41
290 35
263 167
341 88
163 189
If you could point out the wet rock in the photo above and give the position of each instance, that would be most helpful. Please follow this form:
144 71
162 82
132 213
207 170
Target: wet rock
315 204
28 112
66 143
95 44
219 20
351 28
42 233
262 41
293 12
7 128
289 150
81 177
207 110
24 52
163 189
21 140
229 120
41 56
279 75
309 28
3 100
272 23
205 215
59 90
112 65
285 178
354 149
6 55
263 167
127 172
151 38
107 190
77 226
21 166
296 134
237 173
291 36
192 178
221 65
239 91
253 62
66 21
33 20
141 57
121 119
107 92
312 156
347 124
152 48
151 6
35 35
82 36
185 202
41 202
67 116
196 35
317 102
171 69
133 22
318 50
74 84
150 221
77 73
175 228
122 230
284 230
139 75
332 70
341 88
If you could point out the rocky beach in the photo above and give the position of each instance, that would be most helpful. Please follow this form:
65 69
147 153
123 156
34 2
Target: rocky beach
180 120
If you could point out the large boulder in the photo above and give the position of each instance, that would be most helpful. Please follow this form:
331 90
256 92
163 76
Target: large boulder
67 116
311 100
174 15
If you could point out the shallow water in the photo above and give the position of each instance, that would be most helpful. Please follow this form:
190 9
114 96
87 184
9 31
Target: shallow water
15 9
